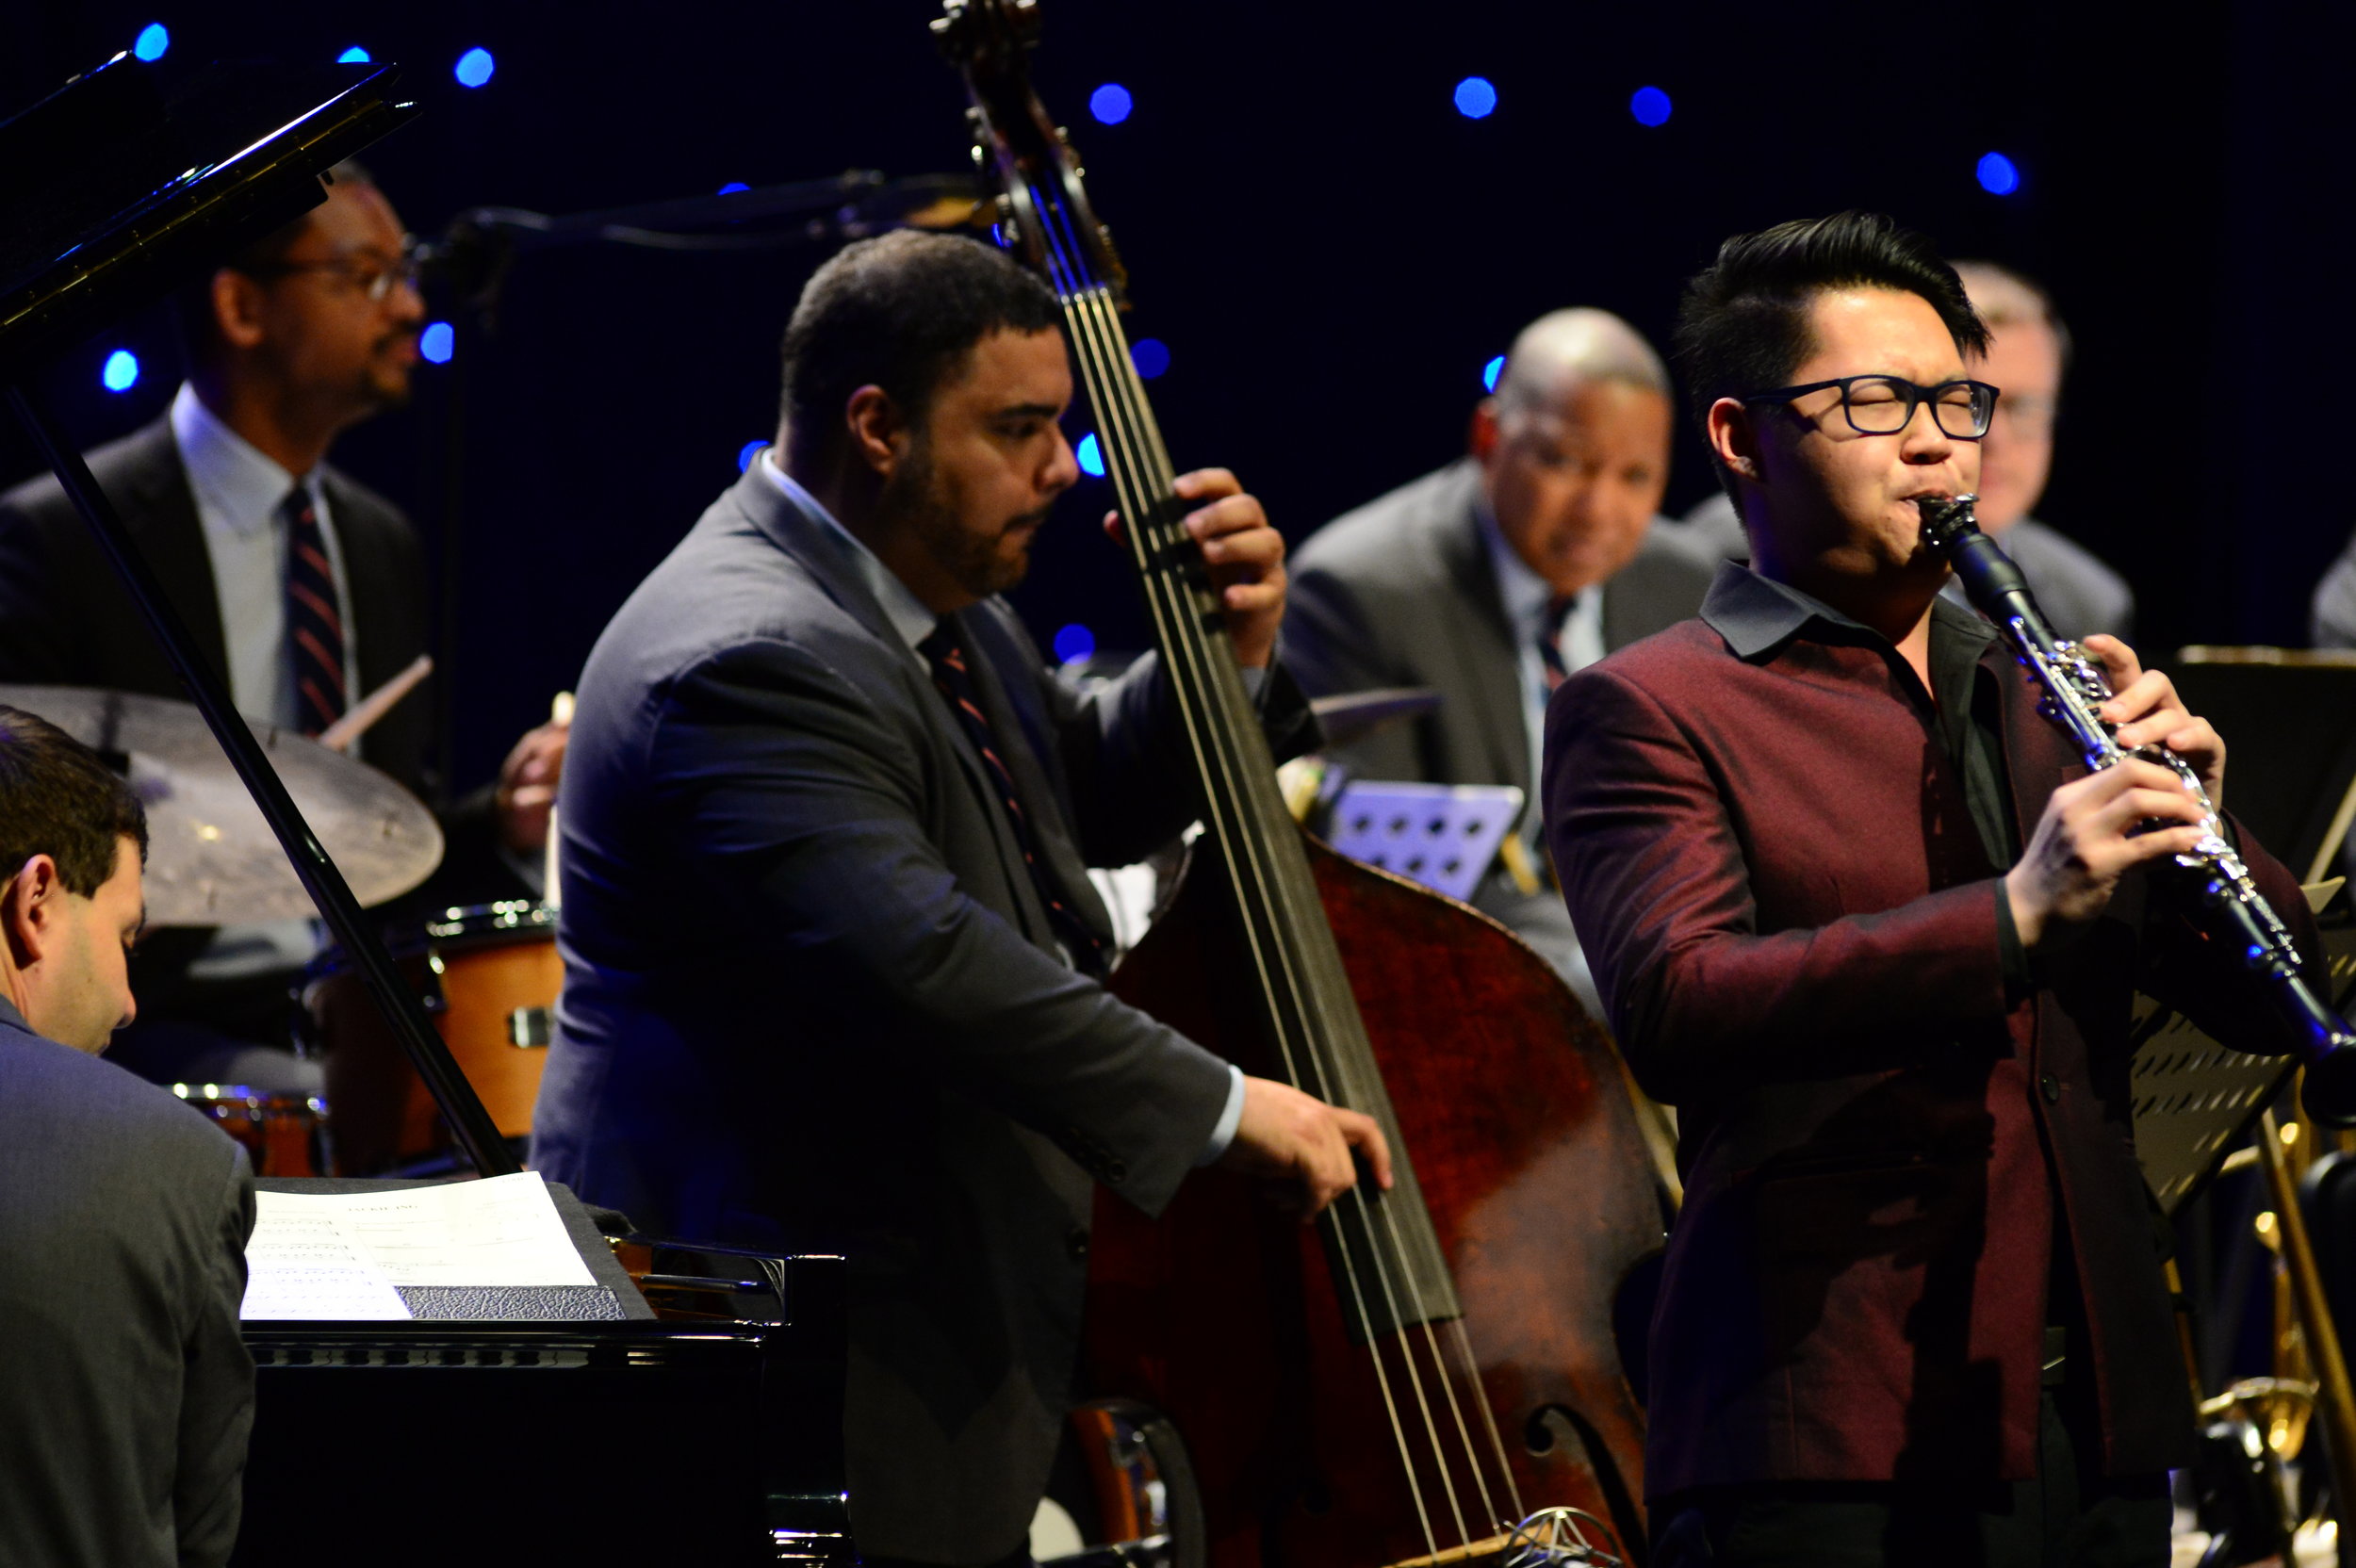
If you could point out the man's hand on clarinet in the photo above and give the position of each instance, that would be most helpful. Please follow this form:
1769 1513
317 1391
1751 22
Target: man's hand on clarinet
2147 711
2086 840
1306 1146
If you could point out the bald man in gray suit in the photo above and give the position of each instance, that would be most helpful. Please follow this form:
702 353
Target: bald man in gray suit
1489 581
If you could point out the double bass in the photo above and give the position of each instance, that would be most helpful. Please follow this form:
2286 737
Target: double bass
1429 1375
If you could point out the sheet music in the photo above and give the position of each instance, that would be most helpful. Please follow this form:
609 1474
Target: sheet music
504 1231
303 1263
342 1255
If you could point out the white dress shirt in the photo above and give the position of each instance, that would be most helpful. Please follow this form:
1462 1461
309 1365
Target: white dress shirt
914 623
239 493
1526 596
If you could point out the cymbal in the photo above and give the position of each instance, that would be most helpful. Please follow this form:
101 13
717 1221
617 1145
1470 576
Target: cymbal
211 858
1351 714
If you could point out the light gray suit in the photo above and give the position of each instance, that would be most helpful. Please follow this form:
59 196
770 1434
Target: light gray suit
812 1000
1401 592
126 1391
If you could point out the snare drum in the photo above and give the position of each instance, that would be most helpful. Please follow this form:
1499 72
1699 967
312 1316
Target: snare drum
282 1133
489 977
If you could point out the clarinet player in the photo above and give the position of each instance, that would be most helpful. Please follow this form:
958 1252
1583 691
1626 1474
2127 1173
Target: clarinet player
1863 917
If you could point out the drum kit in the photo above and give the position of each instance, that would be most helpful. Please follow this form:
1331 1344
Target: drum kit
488 975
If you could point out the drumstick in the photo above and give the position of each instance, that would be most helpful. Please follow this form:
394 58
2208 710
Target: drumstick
559 712
365 713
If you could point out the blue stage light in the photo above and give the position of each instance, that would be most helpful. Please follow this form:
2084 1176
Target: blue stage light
1151 356
1476 98
438 342
745 453
152 40
1111 104
1999 175
354 56
1091 456
1074 643
733 186
474 68
120 372
1490 372
1650 106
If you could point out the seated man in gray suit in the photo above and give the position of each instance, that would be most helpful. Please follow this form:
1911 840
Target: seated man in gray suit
1492 578
832 962
125 1392
2027 352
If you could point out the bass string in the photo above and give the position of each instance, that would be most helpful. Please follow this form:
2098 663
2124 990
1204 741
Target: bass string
1130 457
1128 421
1104 347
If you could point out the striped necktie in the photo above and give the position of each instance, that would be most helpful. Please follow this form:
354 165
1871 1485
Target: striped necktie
955 681
315 625
1550 638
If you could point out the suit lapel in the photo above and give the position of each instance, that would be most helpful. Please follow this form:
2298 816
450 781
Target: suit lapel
1484 637
159 509
811 541
1023 736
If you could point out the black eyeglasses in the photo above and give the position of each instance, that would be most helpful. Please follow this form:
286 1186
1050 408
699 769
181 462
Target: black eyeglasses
375 278
1884 406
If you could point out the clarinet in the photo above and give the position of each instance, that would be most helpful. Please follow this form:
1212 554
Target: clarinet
2072 687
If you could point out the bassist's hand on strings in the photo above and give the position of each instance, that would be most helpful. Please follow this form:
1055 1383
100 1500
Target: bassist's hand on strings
1308 1147
1246 557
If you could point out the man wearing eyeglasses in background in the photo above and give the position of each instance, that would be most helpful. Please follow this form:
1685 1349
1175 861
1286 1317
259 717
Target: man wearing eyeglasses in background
2028 349
306 589
1853 908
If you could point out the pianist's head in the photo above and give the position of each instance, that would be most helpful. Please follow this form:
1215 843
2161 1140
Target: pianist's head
312 329
72 838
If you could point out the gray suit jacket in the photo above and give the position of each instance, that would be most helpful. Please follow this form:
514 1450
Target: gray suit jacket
2079 593
1402 593
2333 612
811 1000
125 1392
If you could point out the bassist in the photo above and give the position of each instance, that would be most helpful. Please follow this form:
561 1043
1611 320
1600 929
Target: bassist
832 962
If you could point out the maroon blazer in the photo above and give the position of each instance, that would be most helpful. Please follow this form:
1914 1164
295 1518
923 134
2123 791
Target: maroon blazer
1796 928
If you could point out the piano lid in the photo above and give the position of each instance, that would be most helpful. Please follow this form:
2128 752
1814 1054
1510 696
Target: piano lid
133 178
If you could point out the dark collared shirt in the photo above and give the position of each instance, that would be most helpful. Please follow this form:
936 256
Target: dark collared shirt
1756 616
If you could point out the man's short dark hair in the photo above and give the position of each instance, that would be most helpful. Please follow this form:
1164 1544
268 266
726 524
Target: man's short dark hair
1743 326
902 312
200 334
58 798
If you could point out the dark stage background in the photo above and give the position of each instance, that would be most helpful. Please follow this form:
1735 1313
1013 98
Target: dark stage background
1330 249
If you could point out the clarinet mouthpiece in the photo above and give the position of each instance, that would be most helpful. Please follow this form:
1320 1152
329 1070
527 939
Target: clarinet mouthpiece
1944 520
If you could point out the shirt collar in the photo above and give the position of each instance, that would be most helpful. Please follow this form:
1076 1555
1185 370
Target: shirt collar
1757 615
14 1020
901 606
238 484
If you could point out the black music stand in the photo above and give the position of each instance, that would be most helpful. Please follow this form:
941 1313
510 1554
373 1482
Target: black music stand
2289 717
125 182
2194 1102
